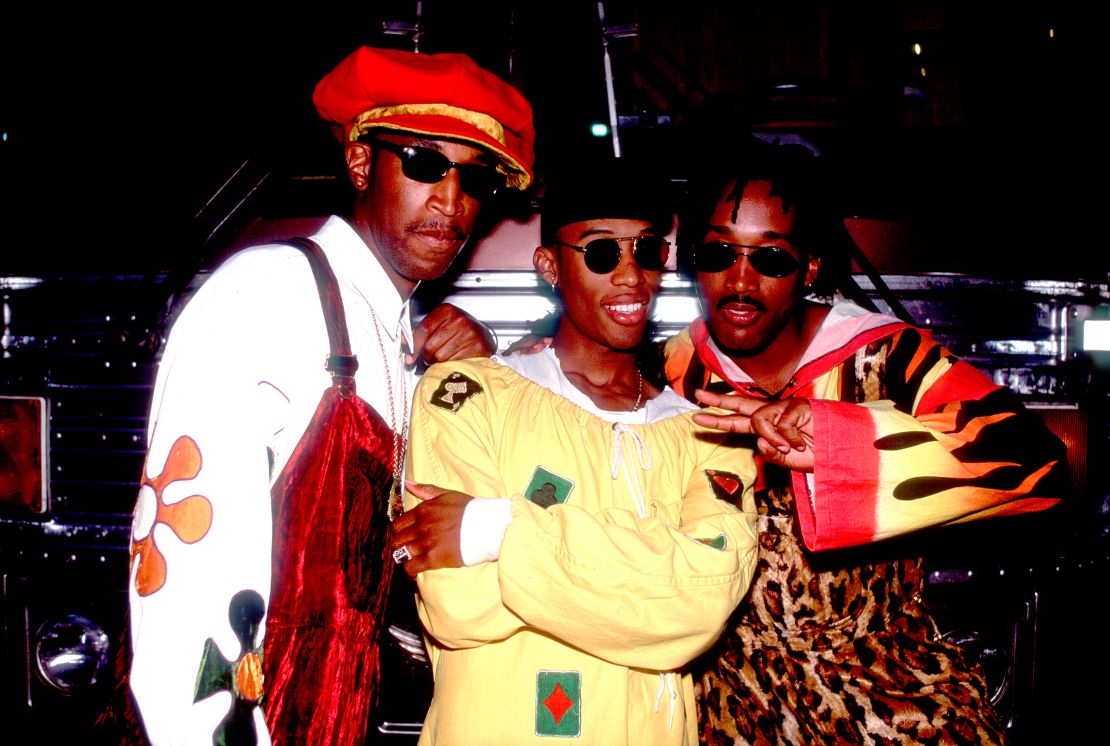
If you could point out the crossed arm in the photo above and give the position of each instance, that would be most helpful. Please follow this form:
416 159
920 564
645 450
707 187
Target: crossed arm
689 565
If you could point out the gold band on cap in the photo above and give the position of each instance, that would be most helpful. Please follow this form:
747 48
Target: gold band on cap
516 174
482 122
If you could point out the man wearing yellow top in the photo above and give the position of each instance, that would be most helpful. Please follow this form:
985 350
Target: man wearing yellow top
580 538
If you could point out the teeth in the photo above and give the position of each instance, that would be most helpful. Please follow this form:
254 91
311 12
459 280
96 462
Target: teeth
626 307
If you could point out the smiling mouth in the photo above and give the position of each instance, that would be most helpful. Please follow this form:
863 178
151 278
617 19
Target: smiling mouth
629 314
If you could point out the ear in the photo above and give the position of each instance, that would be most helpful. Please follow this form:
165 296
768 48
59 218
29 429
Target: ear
359 155
812 266
546 263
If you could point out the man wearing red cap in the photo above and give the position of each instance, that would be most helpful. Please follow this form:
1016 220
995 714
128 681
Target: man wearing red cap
259 546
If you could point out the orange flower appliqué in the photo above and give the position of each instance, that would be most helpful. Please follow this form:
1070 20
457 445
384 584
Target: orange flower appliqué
189 519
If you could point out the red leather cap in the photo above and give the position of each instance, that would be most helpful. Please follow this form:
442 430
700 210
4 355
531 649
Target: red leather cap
438 95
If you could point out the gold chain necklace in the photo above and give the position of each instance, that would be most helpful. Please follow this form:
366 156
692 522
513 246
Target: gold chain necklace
639 390
395 503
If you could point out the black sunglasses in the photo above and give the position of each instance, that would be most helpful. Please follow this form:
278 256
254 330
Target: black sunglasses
717 256
431 166
602 255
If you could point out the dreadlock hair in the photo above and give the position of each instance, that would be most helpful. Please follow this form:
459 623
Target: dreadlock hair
797 177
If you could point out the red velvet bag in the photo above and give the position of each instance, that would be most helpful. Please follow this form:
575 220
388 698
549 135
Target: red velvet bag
331 565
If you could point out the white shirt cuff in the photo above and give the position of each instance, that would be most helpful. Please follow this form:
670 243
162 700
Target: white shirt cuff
483 526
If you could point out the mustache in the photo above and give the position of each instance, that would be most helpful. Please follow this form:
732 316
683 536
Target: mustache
437 226
746 299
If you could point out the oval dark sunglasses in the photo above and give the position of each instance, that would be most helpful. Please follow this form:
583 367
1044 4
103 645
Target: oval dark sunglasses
717 256
602 255
431 166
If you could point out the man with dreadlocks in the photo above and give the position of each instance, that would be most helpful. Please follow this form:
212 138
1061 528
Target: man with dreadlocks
868 430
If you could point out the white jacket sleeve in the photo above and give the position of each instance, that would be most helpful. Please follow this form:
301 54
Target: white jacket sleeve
202 527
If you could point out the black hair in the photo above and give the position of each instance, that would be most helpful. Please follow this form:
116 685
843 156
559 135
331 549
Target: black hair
605 188
798 177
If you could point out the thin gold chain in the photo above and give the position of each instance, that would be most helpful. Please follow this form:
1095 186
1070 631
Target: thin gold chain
639 390
394 505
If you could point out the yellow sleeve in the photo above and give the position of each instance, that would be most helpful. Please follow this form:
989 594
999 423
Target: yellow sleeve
641 592
452 447
650 592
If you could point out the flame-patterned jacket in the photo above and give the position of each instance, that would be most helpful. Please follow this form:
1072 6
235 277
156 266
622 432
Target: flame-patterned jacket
906 436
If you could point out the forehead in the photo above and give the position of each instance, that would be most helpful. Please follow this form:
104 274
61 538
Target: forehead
752 210
603 227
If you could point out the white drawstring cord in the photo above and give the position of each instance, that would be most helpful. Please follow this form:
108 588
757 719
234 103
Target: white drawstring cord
666 681
620 432
674 698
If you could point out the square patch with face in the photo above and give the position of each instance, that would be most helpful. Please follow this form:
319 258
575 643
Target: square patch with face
547 488
453 391
559 703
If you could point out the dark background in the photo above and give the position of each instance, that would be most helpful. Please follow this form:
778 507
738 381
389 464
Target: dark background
118 126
